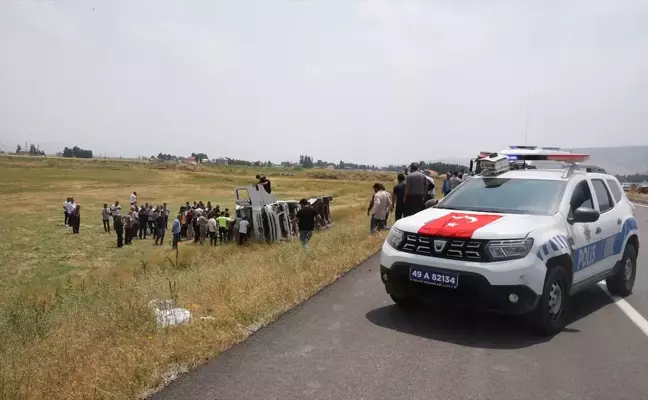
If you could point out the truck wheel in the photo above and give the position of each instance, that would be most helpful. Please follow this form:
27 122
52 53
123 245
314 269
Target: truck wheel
405 302
622 282
548 318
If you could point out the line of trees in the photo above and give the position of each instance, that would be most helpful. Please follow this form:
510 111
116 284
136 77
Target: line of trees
33 150
439 167
199 157
634 178
77 152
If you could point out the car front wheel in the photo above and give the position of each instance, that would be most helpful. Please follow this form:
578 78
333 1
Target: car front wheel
622 282
549 316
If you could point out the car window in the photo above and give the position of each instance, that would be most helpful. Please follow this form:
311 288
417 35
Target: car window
581 197
616 189
602 195
505 195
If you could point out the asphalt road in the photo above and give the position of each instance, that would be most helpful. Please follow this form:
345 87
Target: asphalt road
351 342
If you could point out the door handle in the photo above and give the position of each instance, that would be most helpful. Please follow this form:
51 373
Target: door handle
598 230
619 221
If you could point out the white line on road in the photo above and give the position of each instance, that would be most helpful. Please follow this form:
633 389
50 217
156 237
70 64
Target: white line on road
640 205
628 310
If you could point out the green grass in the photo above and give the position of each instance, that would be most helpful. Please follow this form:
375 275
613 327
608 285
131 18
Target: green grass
73 308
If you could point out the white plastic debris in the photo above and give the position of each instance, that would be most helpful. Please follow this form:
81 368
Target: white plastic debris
166 314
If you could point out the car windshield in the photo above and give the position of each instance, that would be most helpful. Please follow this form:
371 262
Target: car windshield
503 195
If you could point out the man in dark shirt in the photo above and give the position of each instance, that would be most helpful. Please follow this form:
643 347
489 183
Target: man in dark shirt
143 222
119 229
398 197
415 191
265 182
306 218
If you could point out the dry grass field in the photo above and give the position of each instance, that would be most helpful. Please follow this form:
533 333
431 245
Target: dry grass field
641 198
74 320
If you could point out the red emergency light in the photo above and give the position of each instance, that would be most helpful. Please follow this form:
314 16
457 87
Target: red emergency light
573 157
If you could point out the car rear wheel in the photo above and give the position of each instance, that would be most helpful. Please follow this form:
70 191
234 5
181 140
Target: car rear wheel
549 316
622 282
405 302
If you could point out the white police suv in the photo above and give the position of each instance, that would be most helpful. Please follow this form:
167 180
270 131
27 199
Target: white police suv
516 241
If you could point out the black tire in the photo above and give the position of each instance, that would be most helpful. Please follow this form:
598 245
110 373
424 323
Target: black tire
548 319
405 302
622 282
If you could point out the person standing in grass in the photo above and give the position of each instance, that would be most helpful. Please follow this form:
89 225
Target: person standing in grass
136 220
66 212
398 198
118 224
189 219
133 198
454 181
165 210
151 220
105 215
160 228
76 219
143 220
230 226
196 227
416 188
243 231
211 228
128 228
176 228
447 186
381 204
202 227
71 206
115 210
306 218
223 230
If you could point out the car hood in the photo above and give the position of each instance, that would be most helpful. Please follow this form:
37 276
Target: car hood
475 225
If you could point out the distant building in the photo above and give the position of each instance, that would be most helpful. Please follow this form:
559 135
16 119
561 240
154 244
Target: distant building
220 161
331 167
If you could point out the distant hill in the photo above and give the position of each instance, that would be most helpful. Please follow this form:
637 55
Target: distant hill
624 160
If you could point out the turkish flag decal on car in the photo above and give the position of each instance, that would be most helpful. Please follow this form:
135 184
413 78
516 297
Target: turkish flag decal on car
457 225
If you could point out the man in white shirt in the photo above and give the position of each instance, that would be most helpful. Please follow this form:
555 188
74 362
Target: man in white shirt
133 198
211 227
71 206
243 230
116 211
381 205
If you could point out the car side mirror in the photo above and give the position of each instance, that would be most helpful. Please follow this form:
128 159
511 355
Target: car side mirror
585 215
431 203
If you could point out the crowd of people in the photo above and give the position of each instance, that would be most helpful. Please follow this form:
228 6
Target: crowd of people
200 222
72 212
412 194
196 222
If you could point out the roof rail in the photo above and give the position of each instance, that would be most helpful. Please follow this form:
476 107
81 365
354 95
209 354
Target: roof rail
573 167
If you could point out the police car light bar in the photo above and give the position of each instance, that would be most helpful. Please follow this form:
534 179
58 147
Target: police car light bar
565 157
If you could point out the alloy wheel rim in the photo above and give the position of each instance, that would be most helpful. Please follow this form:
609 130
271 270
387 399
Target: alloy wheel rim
627 270
555 300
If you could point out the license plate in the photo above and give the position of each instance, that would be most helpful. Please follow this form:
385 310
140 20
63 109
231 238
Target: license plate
428 277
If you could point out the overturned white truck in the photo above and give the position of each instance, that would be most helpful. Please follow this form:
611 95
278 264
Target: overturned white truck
271 220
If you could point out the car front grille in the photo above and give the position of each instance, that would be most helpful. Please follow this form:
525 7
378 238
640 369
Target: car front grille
442 247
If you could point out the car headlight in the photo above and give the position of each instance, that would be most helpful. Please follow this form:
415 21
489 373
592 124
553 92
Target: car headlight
501 250
395 237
